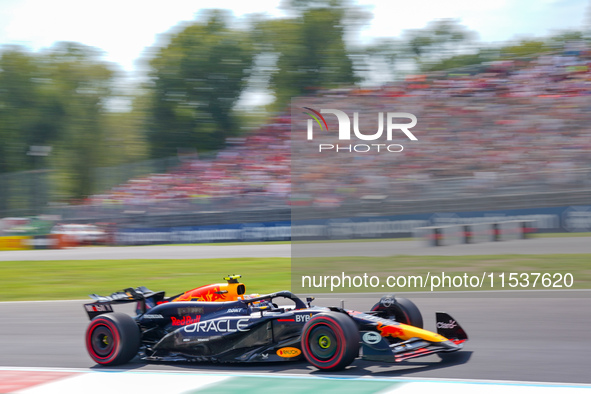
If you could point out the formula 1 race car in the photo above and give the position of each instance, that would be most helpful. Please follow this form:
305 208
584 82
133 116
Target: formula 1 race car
241 328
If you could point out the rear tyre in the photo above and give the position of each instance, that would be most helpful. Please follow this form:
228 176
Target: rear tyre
112 339
330 341
400 309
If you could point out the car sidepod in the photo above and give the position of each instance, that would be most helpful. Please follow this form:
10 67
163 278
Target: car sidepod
223 331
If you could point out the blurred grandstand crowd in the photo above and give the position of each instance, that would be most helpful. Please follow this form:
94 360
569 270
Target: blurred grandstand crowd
512 125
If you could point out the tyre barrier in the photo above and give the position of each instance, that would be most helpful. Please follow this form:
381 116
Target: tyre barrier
476 232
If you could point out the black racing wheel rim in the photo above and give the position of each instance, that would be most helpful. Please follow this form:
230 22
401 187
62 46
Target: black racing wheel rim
102 340
323 343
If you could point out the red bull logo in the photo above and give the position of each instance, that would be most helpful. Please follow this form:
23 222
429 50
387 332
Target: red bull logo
209 293
390 330
231 291
185 320
214 294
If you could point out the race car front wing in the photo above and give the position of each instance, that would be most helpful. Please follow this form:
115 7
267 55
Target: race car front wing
375 348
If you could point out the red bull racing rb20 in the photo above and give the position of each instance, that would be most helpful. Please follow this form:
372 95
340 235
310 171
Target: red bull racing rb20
219 323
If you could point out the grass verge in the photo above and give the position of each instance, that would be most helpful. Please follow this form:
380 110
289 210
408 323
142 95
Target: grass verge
560 235
54 280
494 269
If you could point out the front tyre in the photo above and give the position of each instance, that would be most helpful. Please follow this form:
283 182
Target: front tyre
330 341
399 309
112 339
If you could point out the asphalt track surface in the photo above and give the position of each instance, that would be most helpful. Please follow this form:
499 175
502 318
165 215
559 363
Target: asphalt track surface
533 336
323 249
531 339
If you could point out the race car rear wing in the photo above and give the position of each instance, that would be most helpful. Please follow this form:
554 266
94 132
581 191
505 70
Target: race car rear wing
129 295
140 294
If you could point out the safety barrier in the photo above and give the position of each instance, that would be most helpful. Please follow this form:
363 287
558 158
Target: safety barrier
476 232
15 242
52 241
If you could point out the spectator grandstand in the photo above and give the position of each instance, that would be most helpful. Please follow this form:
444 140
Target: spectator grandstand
513 134
517 125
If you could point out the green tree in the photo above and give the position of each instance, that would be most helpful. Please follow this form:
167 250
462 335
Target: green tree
196 80
459 61
28 115
441 38
524 48
55 98
80 84
310 48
